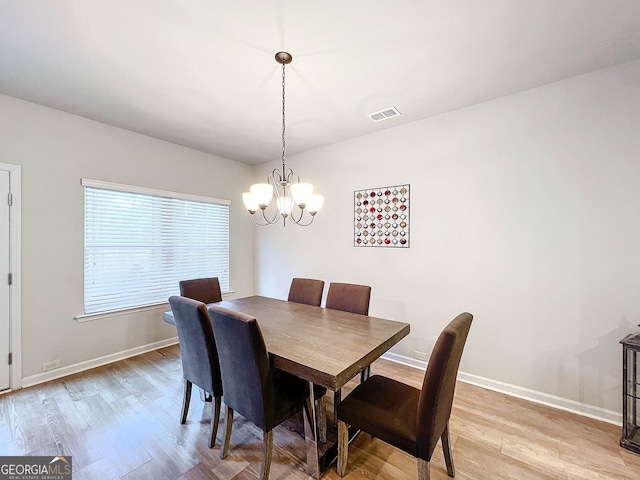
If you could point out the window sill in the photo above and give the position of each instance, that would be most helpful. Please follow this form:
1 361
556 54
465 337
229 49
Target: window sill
89 317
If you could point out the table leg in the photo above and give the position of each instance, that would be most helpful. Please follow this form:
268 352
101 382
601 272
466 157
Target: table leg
635 389
311 436
337 398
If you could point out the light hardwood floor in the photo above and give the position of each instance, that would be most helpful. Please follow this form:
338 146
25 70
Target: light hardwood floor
122 421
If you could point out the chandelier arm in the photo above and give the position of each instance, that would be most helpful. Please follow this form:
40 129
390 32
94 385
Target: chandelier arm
299 221
253 217
271 178
273 220
267 221
290 176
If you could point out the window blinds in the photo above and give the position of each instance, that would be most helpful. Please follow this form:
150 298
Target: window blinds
138 246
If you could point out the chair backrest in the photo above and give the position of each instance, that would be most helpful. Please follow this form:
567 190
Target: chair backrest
244 362
436 397
205 290
349 297
200 363
306 290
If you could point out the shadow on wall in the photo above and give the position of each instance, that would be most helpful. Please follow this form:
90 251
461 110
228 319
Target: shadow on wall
600 369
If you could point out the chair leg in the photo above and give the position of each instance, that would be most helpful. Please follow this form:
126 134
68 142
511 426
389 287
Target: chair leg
205 396
446 448
224 451
267 446
215 420
186 386
343 447
423 469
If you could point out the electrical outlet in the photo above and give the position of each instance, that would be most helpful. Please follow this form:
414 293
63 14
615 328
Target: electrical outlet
52 365
421 355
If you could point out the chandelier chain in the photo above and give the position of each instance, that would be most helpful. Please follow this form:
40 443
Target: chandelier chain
283 122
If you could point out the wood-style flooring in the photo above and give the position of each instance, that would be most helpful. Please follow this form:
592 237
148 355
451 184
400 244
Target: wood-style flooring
121 421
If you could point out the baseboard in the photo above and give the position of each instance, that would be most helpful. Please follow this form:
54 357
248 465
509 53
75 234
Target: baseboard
567 405
408 361
96 362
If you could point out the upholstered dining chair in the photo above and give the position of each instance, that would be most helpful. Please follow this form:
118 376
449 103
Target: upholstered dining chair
309 292
306 290
263 395
199 356
205 290
352 298
349 297
404 416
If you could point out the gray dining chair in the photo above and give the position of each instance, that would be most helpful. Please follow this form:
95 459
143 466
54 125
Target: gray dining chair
205 290
406 417
200 365
254 389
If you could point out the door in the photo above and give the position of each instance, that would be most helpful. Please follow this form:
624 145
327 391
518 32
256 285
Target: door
4 280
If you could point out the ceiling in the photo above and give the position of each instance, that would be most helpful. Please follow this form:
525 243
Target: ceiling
201 73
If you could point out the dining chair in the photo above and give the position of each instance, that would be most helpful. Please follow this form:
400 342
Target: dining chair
349 297
254 389
309 292
406 417
306 290
200 365
352 298
205 290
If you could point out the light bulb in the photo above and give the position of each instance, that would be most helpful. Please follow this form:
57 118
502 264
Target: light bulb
262 193
250 202
301 192
285 204
315 203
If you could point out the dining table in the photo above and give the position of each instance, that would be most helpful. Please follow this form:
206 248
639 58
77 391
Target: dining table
320 345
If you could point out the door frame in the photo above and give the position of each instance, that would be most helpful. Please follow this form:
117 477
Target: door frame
15 263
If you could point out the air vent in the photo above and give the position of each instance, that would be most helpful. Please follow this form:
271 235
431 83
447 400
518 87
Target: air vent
384 114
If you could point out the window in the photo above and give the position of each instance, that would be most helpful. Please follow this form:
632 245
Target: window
139 243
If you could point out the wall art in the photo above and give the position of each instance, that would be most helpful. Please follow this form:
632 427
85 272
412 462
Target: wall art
381 217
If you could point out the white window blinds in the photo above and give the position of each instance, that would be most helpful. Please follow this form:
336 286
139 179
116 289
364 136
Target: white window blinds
139 243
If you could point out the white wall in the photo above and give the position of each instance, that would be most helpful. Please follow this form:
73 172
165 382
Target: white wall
525 211
56 150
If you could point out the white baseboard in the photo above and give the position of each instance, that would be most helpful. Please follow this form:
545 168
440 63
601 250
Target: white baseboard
408 361
584 409
96 362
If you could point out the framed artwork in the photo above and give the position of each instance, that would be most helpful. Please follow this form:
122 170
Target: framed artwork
381 217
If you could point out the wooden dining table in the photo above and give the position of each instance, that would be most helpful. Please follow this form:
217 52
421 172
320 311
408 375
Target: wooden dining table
323 346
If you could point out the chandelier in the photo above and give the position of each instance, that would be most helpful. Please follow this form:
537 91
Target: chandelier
294 200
